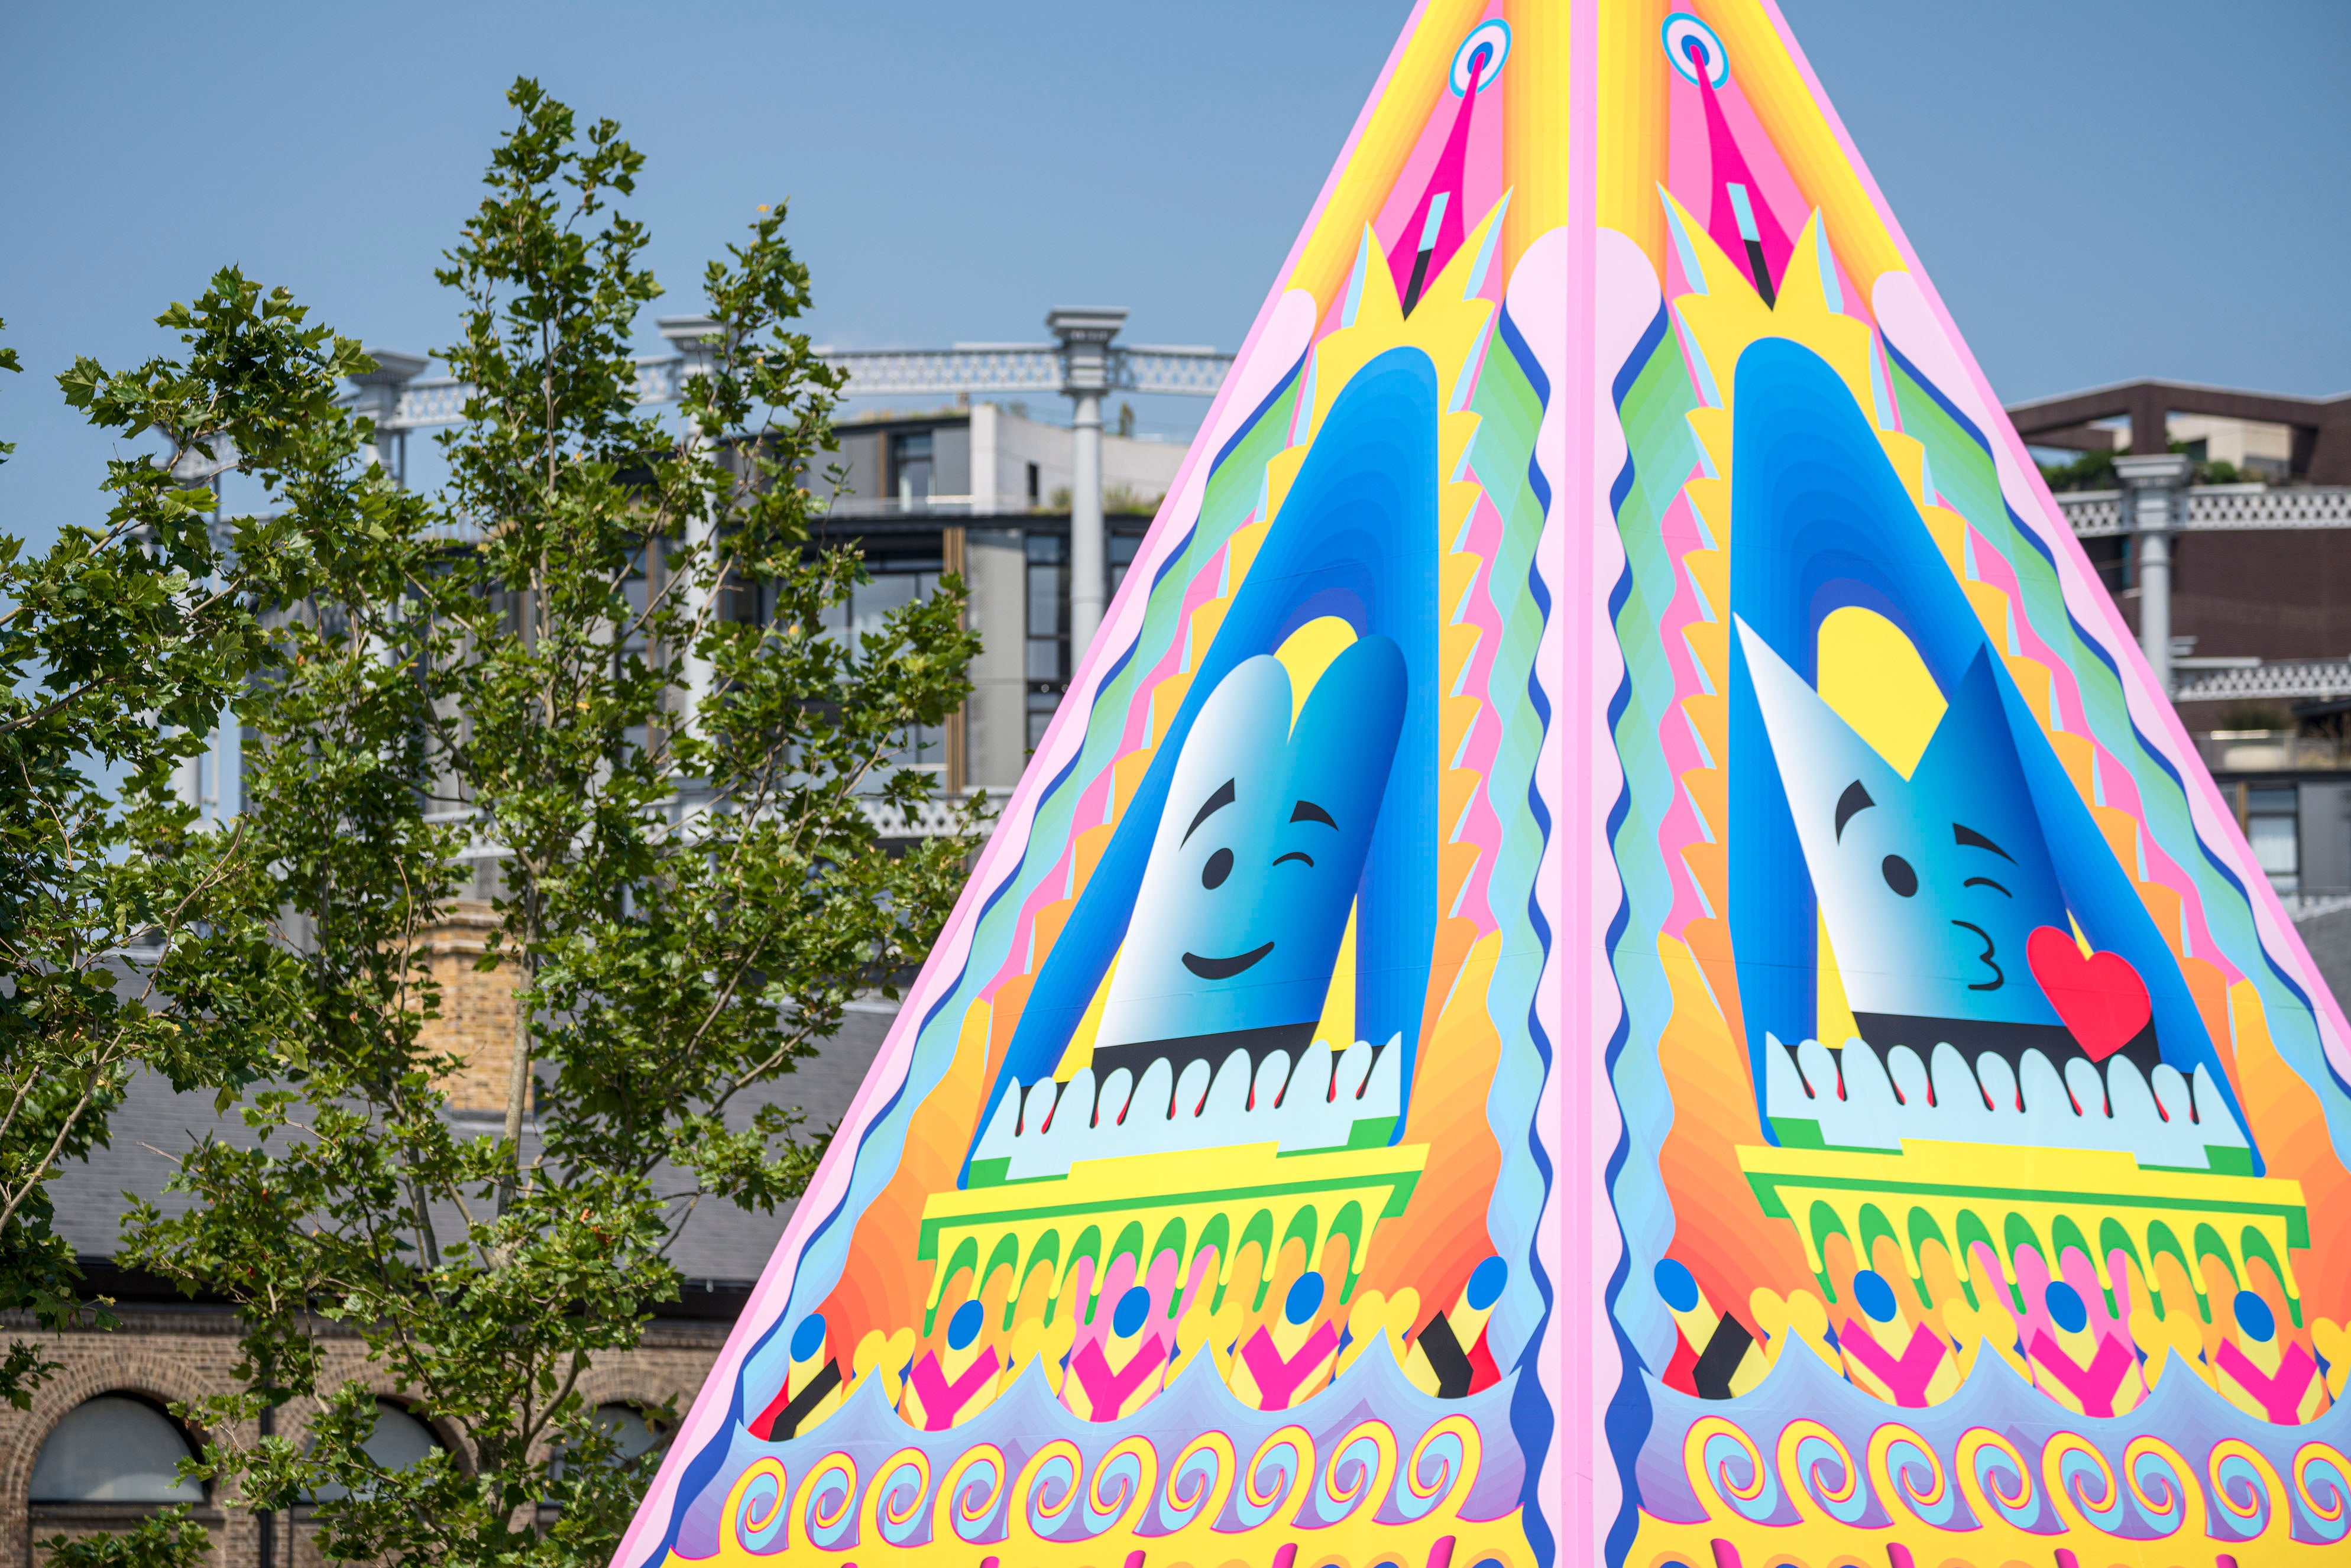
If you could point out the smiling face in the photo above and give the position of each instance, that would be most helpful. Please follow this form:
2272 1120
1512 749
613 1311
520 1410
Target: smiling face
1929 885
1243 905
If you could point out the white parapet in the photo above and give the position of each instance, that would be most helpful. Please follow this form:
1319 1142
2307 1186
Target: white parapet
1859 1102
1042 1128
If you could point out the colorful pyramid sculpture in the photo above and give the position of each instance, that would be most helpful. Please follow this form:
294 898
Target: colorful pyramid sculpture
1612 958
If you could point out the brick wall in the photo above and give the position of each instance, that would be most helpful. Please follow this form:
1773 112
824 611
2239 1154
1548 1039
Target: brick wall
476 1019
165 1355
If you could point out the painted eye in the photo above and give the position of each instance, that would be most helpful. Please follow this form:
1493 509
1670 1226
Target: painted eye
1899 875
1219 866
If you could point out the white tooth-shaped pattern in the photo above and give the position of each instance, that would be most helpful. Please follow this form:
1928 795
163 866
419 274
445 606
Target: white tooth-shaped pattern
2160 1119
1315 1106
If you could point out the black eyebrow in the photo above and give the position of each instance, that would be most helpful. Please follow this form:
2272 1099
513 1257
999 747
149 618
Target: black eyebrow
1855 798
1308 811
1967 838
1217 802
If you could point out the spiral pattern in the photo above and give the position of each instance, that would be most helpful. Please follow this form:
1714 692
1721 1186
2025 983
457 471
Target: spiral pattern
1995 1477
1711 1449
895 1506
828 1501
1197 1482
2322 1479
968 1494
1275 1478
1046 1496
1808 1451
2081 1480
1444 1461
755 1514
1123 1482
1359 1468
2160 1486
1909 1476
2245 1485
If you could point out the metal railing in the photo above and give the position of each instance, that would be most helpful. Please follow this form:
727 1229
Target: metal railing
2217 509
935 817
2271 751
967 368
2283 680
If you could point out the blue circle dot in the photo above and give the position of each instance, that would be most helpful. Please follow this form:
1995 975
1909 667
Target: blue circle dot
2253 1315
1133 1308
1485 1283
1303 1299
1674 1283
964 1327
1876 1296
2067 1307
809 1338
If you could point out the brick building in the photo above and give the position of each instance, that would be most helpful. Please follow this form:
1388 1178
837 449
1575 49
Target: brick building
96 1450
981 490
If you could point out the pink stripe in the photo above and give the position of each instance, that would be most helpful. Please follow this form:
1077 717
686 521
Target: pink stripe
1582 1486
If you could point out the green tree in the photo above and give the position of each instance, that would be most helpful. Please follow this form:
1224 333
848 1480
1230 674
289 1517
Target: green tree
603 661
119 646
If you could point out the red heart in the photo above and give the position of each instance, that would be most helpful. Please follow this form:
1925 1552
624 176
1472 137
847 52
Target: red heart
2101 999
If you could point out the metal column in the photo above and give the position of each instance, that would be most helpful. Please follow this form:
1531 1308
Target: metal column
379 400
2155 487
1085 336
686 334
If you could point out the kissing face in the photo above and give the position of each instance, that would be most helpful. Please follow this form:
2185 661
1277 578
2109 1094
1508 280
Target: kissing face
1931 886
1238 920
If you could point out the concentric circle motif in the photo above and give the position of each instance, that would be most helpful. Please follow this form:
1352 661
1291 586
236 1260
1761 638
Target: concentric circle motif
1491 36
1682 30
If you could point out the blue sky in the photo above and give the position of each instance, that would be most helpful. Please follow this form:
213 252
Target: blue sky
2101 191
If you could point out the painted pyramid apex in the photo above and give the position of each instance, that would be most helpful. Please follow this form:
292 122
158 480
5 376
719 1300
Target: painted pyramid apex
1611 957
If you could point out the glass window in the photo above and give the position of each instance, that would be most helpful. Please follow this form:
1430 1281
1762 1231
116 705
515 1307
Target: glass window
896 584
1049 609
628 1428
629 1433
872 601
1045 599
399 1440
1041 713
912 455
2273 828
114 1449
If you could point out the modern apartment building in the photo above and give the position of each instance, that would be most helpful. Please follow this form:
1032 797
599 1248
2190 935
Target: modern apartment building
984 491
2256 590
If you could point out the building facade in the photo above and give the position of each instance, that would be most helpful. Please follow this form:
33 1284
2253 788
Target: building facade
983 491
96 1449
2257 594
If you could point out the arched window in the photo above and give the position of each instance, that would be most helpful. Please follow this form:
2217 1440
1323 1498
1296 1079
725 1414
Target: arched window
114 1448
399 1440
628 1428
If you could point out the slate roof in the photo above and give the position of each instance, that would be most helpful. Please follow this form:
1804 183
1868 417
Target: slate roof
720 1248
